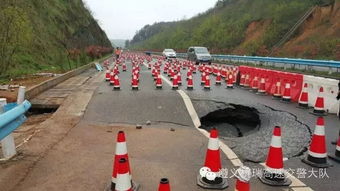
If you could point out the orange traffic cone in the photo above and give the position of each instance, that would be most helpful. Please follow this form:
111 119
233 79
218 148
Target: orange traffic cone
116 85
203 78
230 81
190 85
207 82
255 84
218 78
164 185
207 177
286 97
134 82
116 70
317 154
121 153
159 82
319 108
107 75
175 83
303 101
336 156
172 74
189 73
124 182
234 77
274 174
242 79
262 87
243 176
179 78
112 78
246 82
277 91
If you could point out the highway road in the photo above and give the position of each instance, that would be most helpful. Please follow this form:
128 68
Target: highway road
80 155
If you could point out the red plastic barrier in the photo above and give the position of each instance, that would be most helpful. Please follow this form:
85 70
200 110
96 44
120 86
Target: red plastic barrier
243 69
296 83
273 76
254 72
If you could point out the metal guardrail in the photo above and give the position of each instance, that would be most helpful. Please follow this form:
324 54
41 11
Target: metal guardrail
307 62
12 118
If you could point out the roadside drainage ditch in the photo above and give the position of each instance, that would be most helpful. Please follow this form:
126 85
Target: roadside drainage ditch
41 110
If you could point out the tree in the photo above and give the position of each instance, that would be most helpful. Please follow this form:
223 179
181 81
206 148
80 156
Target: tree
127 44
15 31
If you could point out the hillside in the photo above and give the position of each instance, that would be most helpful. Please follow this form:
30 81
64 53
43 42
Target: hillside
53 35
118 42
250 27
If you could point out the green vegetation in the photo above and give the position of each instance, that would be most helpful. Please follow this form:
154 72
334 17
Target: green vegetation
53 35
118 42
223 27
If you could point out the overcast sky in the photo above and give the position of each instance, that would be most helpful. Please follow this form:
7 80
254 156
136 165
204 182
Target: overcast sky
122 18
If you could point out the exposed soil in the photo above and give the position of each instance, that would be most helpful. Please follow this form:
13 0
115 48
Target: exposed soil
321 27
318 36
29 128
29 81
254 32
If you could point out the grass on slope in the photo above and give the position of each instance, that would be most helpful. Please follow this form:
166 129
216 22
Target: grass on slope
53 26
223 27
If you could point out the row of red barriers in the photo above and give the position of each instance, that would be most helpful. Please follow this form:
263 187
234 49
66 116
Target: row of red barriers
272 77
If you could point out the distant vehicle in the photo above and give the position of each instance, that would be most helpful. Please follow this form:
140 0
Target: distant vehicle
169 53
199 54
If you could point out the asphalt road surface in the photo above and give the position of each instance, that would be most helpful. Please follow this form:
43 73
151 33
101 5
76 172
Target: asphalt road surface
170 147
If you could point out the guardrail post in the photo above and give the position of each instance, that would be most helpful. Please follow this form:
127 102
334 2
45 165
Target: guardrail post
21 94
330 71
309 68
7 143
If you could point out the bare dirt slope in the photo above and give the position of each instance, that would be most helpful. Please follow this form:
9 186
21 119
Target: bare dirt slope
319 36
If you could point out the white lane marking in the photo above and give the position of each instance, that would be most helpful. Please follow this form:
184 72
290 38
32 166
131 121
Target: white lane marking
301 189
225 149
296 185
166 80
197 123
191 110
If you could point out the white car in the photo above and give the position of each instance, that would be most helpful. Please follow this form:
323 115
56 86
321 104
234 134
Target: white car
169 53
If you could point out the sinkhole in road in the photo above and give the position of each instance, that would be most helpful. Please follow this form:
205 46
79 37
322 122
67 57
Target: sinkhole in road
38 110
233 121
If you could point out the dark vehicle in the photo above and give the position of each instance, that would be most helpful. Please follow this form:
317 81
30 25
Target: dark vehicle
199 54
147 53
